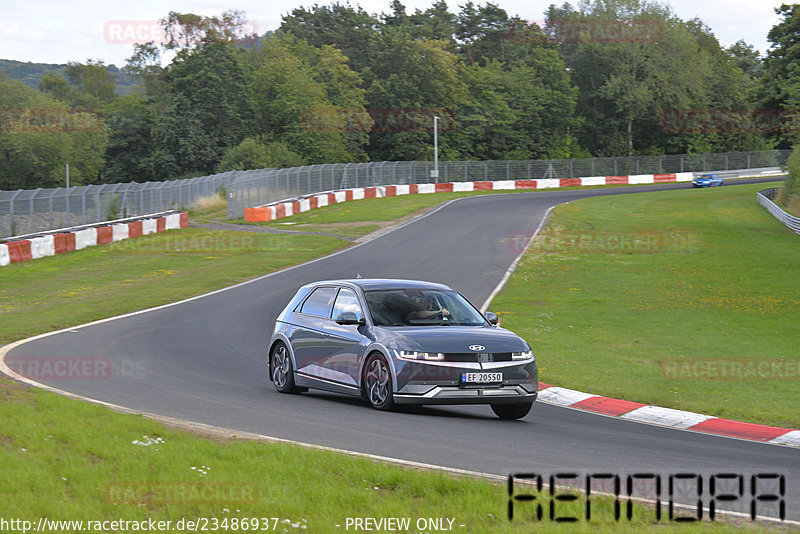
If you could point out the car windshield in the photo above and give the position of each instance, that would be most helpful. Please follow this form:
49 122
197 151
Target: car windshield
421 307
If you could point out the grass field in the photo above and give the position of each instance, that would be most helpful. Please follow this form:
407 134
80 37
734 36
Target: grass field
685 299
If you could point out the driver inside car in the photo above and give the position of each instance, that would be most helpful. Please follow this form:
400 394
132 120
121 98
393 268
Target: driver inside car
425 309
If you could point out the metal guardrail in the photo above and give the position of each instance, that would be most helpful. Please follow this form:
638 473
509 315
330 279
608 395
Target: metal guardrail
40 210
765 199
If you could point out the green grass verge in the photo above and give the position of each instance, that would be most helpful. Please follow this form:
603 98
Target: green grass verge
644 297
110 466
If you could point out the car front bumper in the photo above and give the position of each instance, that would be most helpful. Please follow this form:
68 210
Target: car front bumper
440 383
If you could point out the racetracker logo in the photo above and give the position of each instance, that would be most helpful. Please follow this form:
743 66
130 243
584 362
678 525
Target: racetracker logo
26 120
732 369
145 31
756 494
764 121
206 244
61 368
567 242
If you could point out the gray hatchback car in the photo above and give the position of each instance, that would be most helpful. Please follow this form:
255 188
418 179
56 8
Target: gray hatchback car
400 342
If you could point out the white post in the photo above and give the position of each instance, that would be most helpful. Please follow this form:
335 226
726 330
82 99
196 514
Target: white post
435 173
69 218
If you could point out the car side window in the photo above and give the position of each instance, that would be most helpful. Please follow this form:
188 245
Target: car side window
318 302
346 301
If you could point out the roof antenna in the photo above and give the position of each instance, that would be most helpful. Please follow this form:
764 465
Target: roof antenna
358 275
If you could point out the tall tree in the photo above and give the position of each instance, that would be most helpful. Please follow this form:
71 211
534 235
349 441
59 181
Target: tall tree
209 109
294 108
349 29
652 64
780 83
410 81
343 88
187 30
129 153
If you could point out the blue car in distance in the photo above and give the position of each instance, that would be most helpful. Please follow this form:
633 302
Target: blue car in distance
707 180
396 342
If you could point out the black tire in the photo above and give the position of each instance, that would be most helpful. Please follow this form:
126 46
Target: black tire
282 372
512 411
378 383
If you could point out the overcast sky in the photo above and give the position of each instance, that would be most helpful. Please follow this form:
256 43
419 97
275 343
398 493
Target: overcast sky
54 31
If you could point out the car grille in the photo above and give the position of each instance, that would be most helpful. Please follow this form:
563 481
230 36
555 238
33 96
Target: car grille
477 356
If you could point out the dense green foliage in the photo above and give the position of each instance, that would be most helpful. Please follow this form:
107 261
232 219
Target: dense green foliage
789 196
338 84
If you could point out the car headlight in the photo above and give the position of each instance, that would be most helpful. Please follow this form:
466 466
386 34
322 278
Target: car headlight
522 355
417 355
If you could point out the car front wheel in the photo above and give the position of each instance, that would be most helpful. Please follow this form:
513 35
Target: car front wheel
512 411
378 383
282 372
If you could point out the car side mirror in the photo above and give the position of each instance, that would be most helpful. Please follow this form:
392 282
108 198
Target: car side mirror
492 318
345 318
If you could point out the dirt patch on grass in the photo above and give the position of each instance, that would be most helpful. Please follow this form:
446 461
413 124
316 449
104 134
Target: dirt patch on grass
11 391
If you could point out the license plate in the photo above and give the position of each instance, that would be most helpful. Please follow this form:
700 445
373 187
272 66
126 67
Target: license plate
481 378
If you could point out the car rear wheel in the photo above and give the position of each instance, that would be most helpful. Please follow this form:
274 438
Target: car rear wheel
378 383
512 411
282 372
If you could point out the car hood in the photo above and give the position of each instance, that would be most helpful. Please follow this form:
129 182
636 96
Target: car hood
450 339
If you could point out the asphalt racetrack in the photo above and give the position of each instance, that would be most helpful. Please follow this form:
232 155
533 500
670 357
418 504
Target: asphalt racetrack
204 360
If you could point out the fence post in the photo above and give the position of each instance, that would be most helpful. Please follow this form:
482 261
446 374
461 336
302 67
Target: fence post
30 209
50 208
97 205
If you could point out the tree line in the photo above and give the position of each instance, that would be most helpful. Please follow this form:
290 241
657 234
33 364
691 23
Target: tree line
337 84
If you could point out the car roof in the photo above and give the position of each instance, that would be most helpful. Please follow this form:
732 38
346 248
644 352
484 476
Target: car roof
385 283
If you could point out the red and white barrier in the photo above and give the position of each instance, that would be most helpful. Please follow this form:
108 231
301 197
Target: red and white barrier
51 244
287 208
645 413
42 246
85 238
119 232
